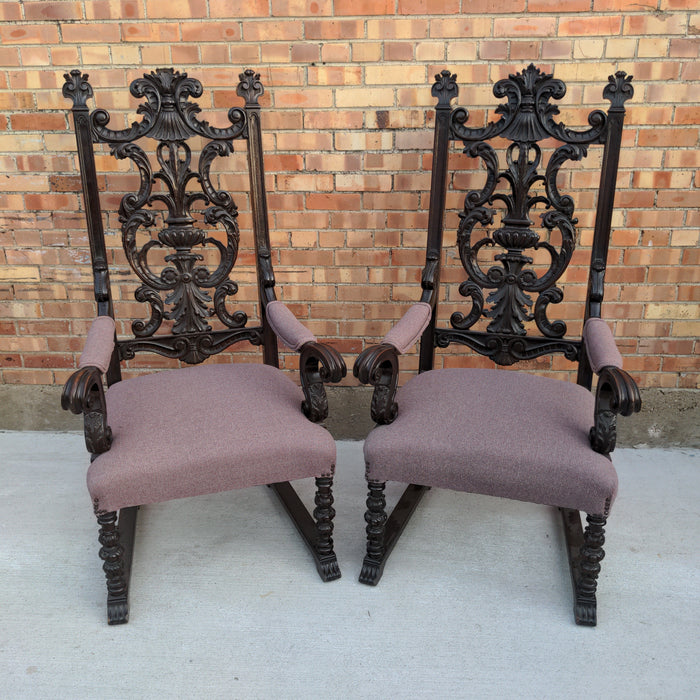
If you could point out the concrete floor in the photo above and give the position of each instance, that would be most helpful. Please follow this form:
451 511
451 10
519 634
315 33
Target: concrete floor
475 601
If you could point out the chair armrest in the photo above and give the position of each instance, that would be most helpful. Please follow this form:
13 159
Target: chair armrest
617 393
99 344
84 393
378 365
409 328
600 345
318 362
287 327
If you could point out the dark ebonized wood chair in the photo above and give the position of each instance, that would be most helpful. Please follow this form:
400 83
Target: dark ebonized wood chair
207 428
491 431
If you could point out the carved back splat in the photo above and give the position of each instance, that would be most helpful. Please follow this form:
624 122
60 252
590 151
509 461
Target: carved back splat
184 290
512 291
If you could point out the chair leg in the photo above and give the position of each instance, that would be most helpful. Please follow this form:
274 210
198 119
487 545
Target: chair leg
585 554
592 554
117 564
317 531
383 532
324 513
375 517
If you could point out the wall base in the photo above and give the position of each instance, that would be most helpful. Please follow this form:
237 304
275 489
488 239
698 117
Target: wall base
669 417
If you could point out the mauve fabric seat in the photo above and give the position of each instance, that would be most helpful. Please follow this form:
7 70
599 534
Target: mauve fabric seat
205 429
495 432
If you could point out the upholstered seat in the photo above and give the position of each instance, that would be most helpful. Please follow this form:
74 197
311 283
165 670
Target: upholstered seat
250 426
472 439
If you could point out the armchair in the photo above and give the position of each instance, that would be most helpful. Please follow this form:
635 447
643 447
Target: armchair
490 431
202 428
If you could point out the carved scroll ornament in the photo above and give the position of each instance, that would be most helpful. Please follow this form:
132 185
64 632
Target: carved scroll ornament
183 290
527 117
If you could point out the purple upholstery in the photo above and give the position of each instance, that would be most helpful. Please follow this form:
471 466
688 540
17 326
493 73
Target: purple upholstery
205 429
404 335
287 327
495 432
99 344
600 345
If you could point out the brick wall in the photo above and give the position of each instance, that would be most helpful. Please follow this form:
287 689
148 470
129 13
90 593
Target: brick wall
348 133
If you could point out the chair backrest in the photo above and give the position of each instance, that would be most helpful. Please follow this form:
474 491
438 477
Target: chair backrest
497 239
177 282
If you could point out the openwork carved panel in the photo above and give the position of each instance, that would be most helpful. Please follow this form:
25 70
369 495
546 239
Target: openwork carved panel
163 232
524 261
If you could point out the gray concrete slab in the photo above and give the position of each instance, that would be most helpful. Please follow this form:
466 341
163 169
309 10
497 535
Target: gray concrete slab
475 601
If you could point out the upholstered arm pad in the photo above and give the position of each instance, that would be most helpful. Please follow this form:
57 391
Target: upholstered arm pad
318 362
600 345
99 344
287 327
405 333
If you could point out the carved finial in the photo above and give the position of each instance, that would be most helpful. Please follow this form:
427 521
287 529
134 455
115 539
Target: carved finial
77 88
250 87
619 89
445 88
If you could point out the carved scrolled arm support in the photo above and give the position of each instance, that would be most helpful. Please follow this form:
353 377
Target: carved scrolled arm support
378 365
617 393
84 393
318 364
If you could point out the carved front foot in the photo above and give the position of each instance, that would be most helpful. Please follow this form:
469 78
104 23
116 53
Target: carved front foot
371 572
117 612
112 554
375 517
585 612
328 568
592 554
326 562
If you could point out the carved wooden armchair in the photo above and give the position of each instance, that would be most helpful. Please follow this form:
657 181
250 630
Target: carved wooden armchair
492 431
193 430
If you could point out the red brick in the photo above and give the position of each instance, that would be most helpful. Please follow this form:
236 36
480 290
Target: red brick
494 7
10 11
649 24
176 9
332 202
398 51
272 31
679 198
557 7
329 29
305 52
460 27
150 32
430 7
38 122
49 201
29 34
9 56
66 9
525 26
228 10
684 48
601 25
114 9
363 8
217 31
300 8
